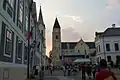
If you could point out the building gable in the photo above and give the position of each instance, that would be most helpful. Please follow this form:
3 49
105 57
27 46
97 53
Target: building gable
81 46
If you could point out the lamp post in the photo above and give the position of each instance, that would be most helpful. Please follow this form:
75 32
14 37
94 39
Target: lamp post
28 59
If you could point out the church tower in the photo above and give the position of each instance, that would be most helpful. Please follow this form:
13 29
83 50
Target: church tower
56 43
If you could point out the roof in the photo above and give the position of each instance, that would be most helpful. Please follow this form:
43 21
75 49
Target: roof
90 44
56 24
71 45
98 33
64 45
40 19
110 32
34 14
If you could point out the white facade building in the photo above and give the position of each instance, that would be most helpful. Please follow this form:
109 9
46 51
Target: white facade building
108 45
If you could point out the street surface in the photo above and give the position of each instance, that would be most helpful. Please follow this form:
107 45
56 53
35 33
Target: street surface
59 75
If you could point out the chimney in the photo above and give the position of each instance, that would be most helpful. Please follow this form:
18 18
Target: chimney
113 25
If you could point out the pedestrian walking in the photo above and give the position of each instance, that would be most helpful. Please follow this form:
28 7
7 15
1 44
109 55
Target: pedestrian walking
89 70
94 70
83 71
105 74
69 70
51 69
64 70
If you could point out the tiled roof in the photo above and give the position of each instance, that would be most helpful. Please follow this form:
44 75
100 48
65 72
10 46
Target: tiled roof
71 45
90 44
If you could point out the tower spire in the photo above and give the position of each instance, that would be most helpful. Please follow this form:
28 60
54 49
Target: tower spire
40 19
56 24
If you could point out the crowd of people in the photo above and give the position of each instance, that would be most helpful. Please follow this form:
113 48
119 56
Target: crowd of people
89 71
101 71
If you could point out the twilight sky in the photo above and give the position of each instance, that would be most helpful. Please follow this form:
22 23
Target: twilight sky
79 18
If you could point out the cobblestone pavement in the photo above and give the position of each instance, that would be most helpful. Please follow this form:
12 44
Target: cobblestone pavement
58 75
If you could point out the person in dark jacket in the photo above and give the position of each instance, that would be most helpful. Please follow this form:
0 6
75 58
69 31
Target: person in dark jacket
83 67
94 70
89 70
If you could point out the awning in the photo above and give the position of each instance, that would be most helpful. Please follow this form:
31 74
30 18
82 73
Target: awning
81 60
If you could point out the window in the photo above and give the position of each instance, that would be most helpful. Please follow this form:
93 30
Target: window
9 12
117 57
42 32
56 37
14 13
108 58
19 48
99 48
117 60
96 48
26 28
4 4
11 2
20 14
107 47
116 46
8 45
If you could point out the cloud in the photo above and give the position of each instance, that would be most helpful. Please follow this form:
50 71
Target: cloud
113 4
69 34
75 18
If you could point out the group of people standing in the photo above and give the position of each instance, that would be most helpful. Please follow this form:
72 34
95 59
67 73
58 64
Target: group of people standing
89 70
93 71
100 72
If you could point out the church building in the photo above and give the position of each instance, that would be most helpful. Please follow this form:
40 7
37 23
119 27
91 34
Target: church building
68 51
